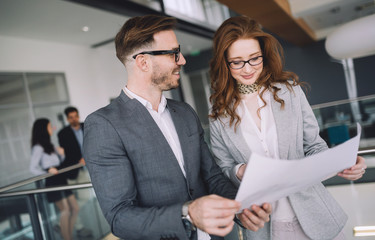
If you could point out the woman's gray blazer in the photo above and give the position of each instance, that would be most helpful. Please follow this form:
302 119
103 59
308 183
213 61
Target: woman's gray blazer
298 135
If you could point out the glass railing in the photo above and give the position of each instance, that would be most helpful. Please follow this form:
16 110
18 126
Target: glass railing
27 210
33 183
337 120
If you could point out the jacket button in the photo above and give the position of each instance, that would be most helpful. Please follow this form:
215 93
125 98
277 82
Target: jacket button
191 191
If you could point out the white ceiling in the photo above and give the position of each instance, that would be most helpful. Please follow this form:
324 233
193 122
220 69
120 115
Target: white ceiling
62 21
324 16
56 20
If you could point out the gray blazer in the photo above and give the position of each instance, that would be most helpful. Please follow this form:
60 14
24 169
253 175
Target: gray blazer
137 179
298 135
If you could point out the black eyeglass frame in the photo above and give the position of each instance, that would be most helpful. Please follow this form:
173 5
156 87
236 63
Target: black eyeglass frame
176 53
244 62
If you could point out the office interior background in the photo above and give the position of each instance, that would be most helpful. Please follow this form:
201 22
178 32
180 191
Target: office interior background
55 53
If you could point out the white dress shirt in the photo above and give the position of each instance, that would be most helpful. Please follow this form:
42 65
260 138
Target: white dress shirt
264 142
163 119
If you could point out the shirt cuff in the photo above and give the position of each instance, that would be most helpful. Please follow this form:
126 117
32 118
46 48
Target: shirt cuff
236 169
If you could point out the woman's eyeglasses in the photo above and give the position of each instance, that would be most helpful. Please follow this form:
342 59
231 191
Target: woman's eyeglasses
176 53
240 64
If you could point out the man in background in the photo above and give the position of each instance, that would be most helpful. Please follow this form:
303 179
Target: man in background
71 140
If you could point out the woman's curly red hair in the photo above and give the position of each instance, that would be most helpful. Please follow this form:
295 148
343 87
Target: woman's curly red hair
226 97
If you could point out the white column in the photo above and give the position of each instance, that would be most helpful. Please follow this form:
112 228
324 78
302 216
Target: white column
351 86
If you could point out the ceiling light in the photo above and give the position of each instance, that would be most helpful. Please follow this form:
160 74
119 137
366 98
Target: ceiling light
85 29
354 39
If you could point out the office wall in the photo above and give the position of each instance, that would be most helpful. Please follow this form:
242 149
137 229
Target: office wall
93 76
325 75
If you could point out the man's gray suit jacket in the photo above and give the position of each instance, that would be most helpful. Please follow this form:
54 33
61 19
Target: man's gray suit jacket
137 179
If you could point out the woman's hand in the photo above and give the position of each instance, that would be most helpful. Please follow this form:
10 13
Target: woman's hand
356 171
255 217
241 171
53 170
82 161
60 151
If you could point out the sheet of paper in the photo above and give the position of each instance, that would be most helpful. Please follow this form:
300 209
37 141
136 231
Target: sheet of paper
268 180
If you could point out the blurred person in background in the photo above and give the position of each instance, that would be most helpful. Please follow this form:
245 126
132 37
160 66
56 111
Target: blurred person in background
45 158
71 139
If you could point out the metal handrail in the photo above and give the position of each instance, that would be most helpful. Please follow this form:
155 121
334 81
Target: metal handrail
49 189
365 152
334 103
40 177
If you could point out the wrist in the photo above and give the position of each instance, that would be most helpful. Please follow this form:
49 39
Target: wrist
185 216
239 171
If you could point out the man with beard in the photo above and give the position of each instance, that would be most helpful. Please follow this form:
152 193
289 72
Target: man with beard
71 139
151 169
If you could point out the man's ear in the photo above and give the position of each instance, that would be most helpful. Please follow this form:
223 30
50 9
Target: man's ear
142 63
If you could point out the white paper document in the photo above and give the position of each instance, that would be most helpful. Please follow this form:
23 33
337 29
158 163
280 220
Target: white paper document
268 179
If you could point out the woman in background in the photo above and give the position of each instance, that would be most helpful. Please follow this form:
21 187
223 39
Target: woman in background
258 107
45 158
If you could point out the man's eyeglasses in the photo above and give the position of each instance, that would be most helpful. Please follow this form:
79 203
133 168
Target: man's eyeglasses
240 64
176 53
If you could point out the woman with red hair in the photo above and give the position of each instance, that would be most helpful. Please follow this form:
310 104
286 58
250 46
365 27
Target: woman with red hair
259 107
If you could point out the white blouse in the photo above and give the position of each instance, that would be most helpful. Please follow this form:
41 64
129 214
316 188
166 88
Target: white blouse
40 161
264 142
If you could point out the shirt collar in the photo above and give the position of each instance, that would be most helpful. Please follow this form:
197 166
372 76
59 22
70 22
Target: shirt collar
79 129
147 104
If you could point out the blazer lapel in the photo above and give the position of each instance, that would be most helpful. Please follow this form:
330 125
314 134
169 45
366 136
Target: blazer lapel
237 139
283 127
283 122
144 117
183 134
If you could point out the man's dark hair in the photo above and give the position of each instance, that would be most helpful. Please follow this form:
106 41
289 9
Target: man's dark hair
139 32
69 110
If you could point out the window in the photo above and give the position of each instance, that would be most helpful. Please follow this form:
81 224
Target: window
200 85
200 11
25 97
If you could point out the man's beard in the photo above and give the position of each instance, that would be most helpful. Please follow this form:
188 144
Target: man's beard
160 79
